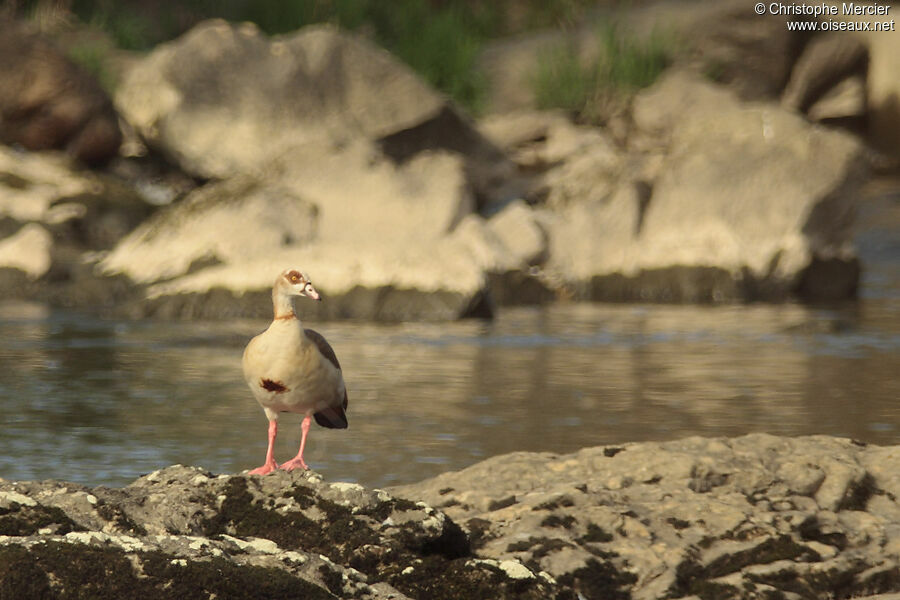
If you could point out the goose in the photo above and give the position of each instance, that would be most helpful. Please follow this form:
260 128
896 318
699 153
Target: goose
292 369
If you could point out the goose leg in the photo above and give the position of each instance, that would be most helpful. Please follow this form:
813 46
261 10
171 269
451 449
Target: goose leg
297 462
270 464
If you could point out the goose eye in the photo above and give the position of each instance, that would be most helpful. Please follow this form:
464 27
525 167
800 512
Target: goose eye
294 278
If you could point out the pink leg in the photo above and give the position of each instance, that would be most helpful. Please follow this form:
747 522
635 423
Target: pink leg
297 462
270 464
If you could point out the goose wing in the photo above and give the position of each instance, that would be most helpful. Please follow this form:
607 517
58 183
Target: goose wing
334 417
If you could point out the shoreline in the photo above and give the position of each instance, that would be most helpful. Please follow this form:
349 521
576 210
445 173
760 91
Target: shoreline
743 517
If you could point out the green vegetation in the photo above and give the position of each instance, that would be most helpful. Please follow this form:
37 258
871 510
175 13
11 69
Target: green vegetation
92 57
624 64
443 48
440 39
125 25
629 63
561 81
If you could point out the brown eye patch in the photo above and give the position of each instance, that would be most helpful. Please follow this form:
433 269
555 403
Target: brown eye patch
293 276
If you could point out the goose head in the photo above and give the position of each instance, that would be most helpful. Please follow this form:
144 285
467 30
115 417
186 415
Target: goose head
294 282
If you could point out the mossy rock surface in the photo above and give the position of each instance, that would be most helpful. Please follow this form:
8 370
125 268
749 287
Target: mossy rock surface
732 518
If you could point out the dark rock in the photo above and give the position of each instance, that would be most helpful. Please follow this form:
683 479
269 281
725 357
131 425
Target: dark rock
385 304
48 102
826 61
180 532
748 518
753 54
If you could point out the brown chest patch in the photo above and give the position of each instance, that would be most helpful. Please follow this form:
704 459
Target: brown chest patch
272 386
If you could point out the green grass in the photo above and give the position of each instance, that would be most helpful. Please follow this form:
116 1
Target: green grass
628 63
624 65
444 50
124 25
561 81
92 58
440 39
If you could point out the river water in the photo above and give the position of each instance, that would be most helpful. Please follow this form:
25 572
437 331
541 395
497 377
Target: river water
102 402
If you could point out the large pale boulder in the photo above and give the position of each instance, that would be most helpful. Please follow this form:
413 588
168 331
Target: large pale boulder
433 282
363 195
218 223
375 238
750 202
226 98
361 173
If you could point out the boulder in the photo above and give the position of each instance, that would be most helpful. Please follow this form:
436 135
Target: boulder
748 518
882 85
753 203
363 195
828 81
745 518
48 102
385 168
373 236
844 104
508 247
225 98
54 219
183 532
218 223
92 210
435 282
752 54
28 250
519 230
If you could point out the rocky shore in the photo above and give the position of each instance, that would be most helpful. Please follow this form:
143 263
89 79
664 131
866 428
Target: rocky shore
755 517
243 153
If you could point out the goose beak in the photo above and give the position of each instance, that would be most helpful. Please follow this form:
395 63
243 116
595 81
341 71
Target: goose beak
314 294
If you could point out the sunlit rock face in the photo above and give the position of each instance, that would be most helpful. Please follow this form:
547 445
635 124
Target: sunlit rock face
54 216
320 149
746 518
225 98
737 201
381 167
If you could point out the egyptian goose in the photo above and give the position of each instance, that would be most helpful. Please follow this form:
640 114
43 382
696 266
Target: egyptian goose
292 369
